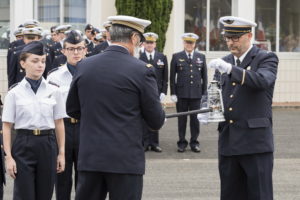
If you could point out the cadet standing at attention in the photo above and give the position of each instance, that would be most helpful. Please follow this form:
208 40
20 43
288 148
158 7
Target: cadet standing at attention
35 108
247 78
160 63
188 82
74 48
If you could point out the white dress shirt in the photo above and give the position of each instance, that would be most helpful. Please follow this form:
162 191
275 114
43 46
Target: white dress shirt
28 110
241 58
62 77
148 54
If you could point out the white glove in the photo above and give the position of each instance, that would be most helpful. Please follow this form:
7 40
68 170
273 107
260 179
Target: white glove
203 118
162 96
221 65
174 98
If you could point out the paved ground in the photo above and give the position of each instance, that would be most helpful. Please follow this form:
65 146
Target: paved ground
190 176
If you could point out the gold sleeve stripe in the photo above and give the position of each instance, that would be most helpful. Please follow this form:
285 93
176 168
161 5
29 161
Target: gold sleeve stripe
243 79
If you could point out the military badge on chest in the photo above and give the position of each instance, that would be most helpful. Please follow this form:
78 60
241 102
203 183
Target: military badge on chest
160 63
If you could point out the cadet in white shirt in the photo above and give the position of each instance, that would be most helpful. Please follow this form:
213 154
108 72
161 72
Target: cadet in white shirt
74 49
35 108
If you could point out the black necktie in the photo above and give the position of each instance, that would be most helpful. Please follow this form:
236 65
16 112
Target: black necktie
238 62
190 58
151 59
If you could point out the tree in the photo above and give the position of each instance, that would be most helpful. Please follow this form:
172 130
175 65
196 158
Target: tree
158 12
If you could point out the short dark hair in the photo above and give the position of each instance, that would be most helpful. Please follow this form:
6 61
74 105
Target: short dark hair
121 33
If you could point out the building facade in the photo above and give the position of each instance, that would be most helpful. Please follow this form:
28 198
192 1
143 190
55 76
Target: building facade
278 29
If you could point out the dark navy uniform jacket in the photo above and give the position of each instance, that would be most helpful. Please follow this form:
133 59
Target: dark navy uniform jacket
113 94
90 47
188 80
160 64
248 104
100 48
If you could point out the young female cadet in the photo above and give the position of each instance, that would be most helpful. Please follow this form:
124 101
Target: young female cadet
36 108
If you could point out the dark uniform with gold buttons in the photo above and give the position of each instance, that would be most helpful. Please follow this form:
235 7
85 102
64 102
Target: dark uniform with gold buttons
188 82
246 138
160 63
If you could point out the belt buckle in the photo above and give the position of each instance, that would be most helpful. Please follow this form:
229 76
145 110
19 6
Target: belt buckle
73 120
36 132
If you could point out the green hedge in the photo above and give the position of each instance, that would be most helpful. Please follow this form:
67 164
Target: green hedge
157 11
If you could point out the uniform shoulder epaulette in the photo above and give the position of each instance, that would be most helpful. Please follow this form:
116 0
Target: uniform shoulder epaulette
53 70
11 87
52 83
149 65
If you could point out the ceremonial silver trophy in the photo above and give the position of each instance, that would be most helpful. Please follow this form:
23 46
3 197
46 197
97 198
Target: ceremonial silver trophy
215 101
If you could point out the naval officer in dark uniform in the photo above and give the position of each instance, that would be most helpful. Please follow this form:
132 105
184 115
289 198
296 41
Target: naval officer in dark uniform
160 64
188 82
247 78
114 94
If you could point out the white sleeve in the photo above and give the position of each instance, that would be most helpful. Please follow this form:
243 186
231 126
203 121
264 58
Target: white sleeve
9 108
59 111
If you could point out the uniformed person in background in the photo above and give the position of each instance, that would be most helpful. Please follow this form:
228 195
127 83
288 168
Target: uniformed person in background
15 72
57 47
35 108
188 81
101 47
89 31
74 48
110 94
247 78
2 164
160 63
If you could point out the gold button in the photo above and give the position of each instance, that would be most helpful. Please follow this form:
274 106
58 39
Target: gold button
231 96
233 83
192 76
191 70
192 82
230 109
230 121
191 65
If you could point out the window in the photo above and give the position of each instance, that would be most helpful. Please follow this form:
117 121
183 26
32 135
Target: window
4 24
289 26
196 22
265 17
50 13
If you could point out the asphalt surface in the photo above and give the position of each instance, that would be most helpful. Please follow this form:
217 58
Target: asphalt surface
194 176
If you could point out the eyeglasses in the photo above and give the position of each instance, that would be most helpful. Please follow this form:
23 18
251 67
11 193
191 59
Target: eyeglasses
234 38
72 50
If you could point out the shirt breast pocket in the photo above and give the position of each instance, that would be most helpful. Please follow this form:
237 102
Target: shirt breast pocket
47 107
24 108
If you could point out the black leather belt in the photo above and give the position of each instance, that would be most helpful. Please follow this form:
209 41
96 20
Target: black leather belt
71 120
35 131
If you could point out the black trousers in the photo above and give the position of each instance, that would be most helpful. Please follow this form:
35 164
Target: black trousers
35 158
246 177
184 105
64 182
96 185
151 138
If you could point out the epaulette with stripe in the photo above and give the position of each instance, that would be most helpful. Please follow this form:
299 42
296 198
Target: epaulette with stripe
52 70
52 83
11 87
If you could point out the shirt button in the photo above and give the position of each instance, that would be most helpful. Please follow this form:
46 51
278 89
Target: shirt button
230 109
231 96
233 83
192 82
231 121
